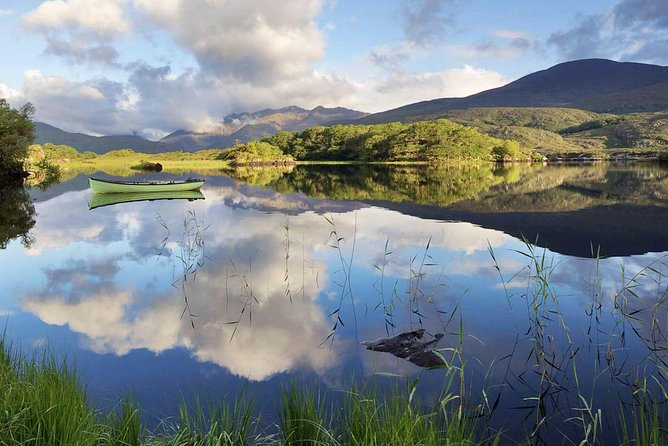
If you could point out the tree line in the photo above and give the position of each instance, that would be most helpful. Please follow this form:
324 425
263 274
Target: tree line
426 141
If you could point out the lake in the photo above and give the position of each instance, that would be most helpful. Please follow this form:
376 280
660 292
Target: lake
548 284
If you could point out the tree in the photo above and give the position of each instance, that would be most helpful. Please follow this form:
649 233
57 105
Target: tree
255 152
16 134
17 215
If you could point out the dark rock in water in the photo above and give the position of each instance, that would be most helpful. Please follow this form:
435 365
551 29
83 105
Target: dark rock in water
426 359
409 346
148 167
395 343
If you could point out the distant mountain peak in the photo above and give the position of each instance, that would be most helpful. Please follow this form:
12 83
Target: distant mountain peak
47 133
245 126
599 85
176 133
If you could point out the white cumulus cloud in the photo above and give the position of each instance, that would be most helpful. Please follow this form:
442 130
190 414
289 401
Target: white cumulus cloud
401 88
259 40
103 19
247 55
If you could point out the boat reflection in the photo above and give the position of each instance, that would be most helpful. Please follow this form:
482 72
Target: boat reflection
100 200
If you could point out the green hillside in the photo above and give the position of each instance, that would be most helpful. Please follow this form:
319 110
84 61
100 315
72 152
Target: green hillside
561 131
550 119
650 98
639 130
597 85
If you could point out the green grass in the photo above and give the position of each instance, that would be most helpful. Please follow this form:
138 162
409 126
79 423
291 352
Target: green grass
370 420
223 425
367 418
550 119
304 417
44 402
125 162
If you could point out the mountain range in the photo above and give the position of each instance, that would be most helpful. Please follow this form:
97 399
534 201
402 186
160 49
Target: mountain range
238 127
245 127
597 85
581 86
45 133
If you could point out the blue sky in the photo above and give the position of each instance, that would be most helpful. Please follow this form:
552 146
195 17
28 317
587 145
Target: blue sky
148 66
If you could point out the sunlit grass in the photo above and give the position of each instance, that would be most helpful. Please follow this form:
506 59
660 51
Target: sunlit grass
224 424
43 402
121 166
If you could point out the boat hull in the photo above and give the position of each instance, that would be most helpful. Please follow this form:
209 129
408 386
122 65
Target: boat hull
100 200
116 187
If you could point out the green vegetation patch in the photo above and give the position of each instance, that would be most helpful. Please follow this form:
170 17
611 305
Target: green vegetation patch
426 141
563 132
147 166
16 134
256 153
550 119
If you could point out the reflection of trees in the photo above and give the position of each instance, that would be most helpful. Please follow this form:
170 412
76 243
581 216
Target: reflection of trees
421 184
476 187
573 187
17 215
259 175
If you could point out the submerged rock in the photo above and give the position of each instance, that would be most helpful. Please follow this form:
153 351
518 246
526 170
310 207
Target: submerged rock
409 345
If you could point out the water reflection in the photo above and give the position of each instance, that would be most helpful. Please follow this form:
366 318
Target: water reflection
484 188
566 208
244 278
100 200
440 186
17 215
270 272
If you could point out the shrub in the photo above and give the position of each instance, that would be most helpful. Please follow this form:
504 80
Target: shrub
509 150
16 134
147 166
256 152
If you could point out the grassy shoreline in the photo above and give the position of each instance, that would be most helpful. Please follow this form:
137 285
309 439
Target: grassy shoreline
44 402
213 164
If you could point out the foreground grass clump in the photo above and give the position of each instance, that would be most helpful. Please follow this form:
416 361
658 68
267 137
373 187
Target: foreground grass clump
221 425
371 421
42 402
367 418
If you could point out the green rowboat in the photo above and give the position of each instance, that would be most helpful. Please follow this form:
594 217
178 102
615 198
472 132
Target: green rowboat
100 200
114 187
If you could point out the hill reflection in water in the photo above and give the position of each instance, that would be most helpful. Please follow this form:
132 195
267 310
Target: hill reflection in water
285 279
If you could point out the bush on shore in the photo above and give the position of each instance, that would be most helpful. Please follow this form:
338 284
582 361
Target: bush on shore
16 134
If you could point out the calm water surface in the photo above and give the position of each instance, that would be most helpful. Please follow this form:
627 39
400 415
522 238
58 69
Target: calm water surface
280 274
